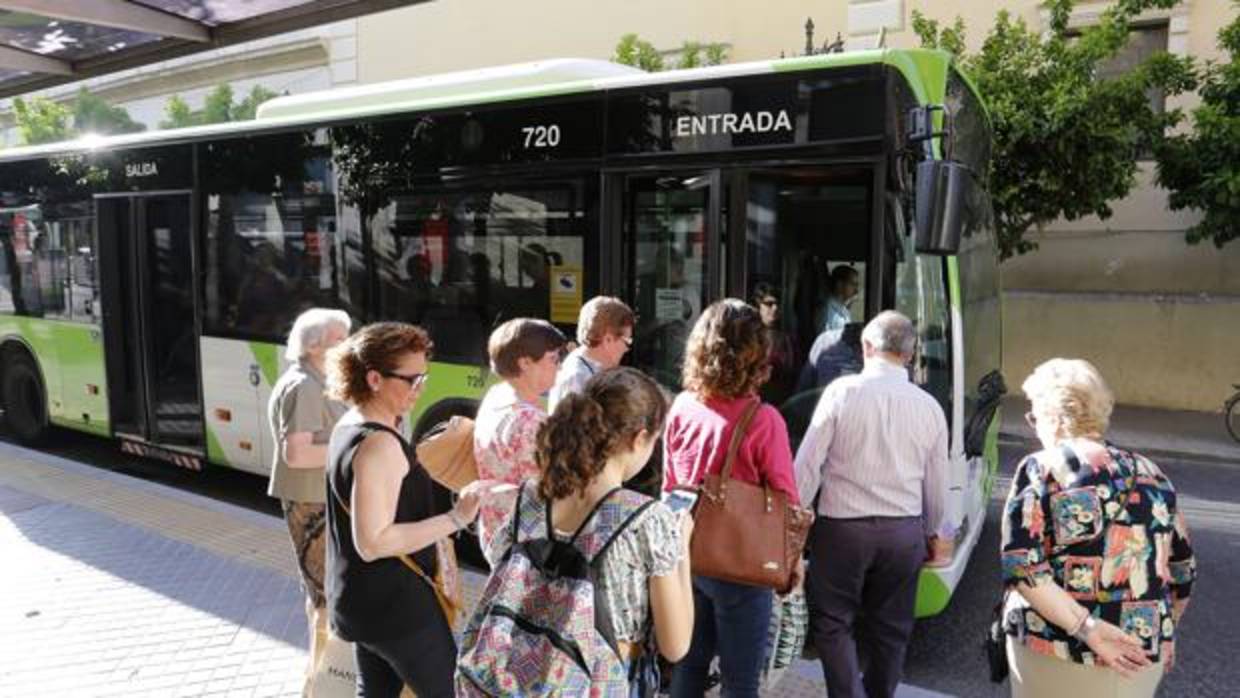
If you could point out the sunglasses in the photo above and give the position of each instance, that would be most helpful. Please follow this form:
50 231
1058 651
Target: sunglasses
416 380
1032 420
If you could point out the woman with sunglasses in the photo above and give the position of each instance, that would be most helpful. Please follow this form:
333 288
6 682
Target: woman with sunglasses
380 509
525 354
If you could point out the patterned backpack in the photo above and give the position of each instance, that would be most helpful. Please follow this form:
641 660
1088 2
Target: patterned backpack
537 629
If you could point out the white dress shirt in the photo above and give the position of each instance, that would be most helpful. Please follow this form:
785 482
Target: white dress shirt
877 446
572 377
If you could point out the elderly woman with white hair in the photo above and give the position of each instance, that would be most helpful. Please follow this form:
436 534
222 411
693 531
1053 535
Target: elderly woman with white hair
301 417
1095 548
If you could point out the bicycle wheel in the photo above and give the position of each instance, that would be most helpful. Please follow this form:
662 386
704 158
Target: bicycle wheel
1231 413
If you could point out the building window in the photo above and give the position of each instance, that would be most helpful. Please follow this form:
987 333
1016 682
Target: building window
1143 42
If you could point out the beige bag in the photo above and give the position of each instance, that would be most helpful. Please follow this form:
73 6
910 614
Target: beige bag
336 674
447 453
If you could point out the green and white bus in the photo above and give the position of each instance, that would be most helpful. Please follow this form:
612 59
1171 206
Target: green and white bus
147 281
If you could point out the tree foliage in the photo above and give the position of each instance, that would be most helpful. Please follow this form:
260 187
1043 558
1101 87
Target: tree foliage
1067 143
177 114
639 53
1202 168
93 114
42 120
218 107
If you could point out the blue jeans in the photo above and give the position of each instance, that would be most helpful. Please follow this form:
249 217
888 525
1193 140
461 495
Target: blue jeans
731 621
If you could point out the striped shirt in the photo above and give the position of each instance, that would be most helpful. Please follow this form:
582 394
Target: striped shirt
877 446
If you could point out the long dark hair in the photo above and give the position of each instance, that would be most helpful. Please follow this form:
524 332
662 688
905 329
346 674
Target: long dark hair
589 427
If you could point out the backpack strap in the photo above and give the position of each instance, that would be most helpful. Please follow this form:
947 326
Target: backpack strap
610 518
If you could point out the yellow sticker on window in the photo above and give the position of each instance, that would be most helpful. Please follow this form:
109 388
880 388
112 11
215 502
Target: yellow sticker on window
565 293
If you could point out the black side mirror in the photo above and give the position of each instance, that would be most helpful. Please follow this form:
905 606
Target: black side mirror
942 194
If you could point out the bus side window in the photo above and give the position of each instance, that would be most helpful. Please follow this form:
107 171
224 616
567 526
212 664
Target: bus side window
459 262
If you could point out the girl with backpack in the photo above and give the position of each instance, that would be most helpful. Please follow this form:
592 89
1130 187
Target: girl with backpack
587 577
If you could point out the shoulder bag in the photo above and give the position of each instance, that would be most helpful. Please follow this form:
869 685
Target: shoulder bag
746 533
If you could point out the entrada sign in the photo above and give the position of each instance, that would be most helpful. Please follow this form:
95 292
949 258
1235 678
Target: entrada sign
730 123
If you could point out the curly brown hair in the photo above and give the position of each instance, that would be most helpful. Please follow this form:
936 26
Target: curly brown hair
375 347
728 354
589 427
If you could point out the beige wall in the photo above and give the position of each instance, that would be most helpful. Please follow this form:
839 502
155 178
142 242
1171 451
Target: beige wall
451 35
1159 317
1177 353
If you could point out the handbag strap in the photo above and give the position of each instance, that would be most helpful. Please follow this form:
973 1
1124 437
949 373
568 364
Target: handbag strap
449 605
734 445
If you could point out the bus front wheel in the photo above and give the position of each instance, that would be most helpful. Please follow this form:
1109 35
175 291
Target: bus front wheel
25 404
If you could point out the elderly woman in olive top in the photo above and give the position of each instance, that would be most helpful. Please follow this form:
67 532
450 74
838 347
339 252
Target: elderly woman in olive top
380 507
1095 547
526 354
301 417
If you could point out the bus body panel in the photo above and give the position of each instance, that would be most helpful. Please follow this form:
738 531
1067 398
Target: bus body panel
70 358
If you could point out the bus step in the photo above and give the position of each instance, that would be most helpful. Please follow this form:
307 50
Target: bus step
145 450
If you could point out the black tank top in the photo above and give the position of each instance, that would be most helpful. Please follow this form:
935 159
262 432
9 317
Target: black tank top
370 601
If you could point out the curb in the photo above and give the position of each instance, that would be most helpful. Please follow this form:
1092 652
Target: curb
1010 439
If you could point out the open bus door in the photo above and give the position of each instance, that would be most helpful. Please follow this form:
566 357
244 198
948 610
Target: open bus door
146 263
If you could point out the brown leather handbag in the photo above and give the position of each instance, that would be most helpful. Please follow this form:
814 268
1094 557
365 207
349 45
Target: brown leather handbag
745 533
447 453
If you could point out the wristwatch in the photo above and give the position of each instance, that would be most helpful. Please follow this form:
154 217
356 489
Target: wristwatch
1085 628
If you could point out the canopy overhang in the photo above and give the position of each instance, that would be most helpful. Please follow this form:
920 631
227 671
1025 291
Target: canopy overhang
44 43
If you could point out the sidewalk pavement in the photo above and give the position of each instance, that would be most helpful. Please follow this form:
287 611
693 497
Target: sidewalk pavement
1167 433
115 586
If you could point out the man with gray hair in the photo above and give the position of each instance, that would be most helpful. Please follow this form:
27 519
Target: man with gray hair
877 448
301 418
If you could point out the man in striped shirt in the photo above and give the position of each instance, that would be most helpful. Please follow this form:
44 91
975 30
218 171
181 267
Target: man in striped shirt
876 454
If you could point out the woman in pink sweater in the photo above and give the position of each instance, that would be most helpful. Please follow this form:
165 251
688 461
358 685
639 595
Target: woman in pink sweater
726 362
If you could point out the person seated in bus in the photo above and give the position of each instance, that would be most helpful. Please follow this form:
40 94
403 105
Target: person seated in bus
262 292
841 358
525 353
533 298
780 385
301 418
604 334
845 284
381 520
480 274
420 288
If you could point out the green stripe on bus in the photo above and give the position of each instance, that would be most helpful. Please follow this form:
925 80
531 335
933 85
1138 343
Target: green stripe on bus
267 356
215 452
953 283
990 452
932 594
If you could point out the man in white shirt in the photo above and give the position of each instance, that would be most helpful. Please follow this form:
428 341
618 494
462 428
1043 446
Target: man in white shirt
605 333
876 447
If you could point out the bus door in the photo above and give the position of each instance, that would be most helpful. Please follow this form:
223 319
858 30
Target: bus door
671 265
806 261
147 267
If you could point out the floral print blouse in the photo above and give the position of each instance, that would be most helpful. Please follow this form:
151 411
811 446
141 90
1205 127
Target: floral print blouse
1108 533
505 440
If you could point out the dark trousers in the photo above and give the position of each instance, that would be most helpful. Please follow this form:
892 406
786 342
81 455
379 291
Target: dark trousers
731 621
862 582
424 660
